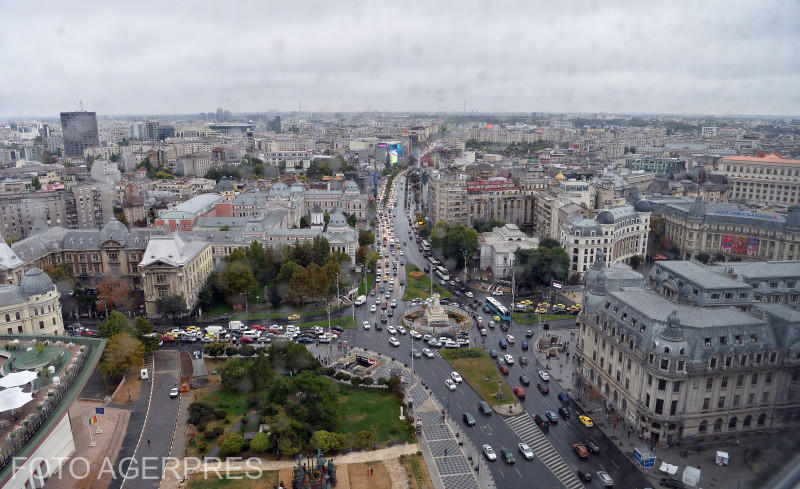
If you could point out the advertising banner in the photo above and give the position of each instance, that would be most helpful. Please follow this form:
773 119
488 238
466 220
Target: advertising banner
739 245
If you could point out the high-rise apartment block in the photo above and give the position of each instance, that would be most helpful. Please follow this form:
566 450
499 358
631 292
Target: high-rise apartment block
79 131
770 179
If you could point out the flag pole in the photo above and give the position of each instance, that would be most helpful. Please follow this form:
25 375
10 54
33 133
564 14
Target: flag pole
97 422
91 440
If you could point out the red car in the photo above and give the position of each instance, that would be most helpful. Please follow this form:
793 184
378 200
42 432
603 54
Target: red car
519 392
503 369
245 339
258 327
167 338
543 388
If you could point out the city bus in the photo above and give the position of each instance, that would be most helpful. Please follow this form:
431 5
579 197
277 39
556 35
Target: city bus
498 309
426 247
442 273
433 261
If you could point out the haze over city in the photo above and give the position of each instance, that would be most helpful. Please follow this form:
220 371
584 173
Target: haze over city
161 58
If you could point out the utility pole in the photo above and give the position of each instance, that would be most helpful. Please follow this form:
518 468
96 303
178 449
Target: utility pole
465 268
513 284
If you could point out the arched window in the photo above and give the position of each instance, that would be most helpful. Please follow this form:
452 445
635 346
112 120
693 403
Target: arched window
703 427
747 420
761 419
17 315
732 423
718 425
8 317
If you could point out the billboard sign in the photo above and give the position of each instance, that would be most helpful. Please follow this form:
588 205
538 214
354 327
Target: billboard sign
739 245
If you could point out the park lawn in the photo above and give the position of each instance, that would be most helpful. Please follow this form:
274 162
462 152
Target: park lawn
530 317
372 409
219 309
343 322
476 369
420 286
210 480
235 403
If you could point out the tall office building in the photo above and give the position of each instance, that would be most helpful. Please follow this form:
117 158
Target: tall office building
79 131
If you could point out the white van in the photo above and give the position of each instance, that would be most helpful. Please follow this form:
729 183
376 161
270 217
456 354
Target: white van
360 300
235 325
214 329
252 333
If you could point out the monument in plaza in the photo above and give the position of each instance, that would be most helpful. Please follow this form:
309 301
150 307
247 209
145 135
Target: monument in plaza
435 315
314 473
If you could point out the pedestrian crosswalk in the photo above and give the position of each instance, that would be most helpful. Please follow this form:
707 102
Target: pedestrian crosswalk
525 428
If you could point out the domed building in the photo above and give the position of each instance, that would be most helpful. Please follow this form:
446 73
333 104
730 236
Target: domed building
620 233
32 307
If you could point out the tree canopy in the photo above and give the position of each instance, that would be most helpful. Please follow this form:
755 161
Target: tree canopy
453 240
537 267
122 352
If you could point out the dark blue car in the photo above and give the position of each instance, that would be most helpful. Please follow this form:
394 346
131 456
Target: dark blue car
524 345
562 396
503 344
305 339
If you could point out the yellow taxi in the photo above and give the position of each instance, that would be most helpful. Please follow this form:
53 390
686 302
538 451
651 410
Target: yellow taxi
586 420
541 310
294 317
496 319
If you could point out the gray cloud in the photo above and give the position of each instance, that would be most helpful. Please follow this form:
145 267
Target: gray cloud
186 57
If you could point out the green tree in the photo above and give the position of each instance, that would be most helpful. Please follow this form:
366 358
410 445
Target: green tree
215 348
260 443
327 441
320 403
36 184
275 296
326 217
237 279
172 305
114 324
453 240
231 444
287 271
320 250
305 222
549 243
122 352
365 238
286 447
11 239
233 375
352 220
635 261
144 333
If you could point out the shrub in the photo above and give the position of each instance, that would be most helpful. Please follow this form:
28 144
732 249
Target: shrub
367 381
382 381
261 443
356 381
247 350
231 351
365 438
199 412
220 413
252 400
202 446
201 428
231 444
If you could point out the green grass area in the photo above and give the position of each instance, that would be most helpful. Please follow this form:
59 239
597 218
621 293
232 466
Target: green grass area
532 317
219 309
370 410
421 286
235 403
417 471
225 480
343 322
481 372
364 289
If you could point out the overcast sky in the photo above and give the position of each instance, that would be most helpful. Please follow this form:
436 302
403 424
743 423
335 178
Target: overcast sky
710 57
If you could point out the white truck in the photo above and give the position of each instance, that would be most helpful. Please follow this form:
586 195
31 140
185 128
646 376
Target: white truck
235 325
360 300
216 330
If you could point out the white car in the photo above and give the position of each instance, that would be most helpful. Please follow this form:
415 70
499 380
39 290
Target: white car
450 384
526 451
394 301
434 343
456 377
278 327
393 341
508 359
469 294
173 393
497 292
544 376
366 325
401 330
605 479
428 352
488 451
511 339
415 334
373 308
391 329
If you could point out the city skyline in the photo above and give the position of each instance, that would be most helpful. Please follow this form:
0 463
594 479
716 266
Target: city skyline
712 58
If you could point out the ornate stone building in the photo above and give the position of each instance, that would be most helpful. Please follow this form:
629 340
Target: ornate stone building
694 358
33 307
698 227
172 265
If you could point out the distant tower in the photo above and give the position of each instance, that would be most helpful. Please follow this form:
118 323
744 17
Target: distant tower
79 131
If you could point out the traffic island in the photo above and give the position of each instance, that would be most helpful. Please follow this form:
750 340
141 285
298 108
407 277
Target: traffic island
482 374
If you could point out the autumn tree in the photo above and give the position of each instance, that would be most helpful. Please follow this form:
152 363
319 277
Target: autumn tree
113 293
122 352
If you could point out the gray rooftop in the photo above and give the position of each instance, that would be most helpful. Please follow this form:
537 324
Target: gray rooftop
705 277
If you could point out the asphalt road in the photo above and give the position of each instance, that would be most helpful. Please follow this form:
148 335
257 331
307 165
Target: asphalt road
493 429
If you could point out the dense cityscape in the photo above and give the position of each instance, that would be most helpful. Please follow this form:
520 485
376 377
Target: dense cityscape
341 292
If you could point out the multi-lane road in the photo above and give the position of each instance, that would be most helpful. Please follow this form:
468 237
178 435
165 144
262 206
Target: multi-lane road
555 463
